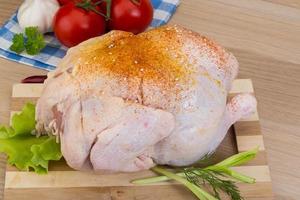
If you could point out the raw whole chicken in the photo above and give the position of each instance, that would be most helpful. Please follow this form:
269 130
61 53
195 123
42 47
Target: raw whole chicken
124 102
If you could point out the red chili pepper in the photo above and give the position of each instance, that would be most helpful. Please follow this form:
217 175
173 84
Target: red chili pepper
34 79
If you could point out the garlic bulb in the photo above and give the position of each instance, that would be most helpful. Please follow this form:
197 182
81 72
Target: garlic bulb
38 13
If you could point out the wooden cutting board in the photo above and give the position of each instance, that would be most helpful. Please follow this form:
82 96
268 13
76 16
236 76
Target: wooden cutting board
63 183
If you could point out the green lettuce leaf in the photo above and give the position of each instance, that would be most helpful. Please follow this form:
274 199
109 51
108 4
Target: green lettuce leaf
23 148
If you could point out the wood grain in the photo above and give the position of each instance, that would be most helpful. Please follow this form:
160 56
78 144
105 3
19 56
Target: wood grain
162 192
74 179
264 36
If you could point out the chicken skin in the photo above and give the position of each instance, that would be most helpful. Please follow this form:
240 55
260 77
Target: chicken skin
124 102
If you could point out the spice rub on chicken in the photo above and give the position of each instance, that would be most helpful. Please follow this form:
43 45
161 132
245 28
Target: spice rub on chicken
124 102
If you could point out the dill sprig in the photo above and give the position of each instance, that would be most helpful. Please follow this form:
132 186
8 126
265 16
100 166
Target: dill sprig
219 177
201 177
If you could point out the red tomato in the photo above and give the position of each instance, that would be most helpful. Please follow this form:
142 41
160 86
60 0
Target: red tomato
63 2
73 25
130 15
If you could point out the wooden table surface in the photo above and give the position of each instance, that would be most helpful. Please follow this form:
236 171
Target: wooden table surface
264 35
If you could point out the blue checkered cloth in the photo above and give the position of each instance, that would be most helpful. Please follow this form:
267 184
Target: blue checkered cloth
50 56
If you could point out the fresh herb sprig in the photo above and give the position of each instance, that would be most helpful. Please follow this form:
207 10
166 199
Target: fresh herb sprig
198 191
18 44
204 177
219 177
33 41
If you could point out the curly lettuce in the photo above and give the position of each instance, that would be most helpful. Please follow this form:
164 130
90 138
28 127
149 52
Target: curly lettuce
24 149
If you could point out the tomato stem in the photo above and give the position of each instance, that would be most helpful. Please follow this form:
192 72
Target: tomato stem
98 2
136 2
108 8
88 5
